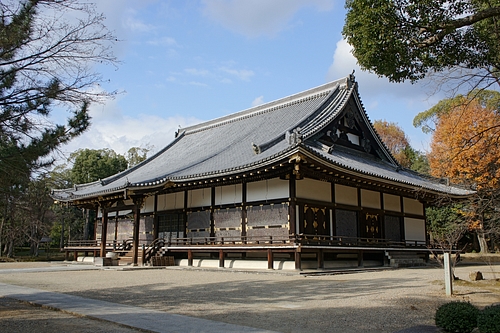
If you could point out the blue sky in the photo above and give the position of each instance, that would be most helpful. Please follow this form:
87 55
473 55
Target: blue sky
187 61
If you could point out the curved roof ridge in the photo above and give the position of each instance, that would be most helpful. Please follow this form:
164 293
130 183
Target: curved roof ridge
267 107
328 114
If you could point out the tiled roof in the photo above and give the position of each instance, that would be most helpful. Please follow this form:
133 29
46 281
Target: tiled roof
240 142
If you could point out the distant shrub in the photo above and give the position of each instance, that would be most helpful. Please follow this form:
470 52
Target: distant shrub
457 317
488 320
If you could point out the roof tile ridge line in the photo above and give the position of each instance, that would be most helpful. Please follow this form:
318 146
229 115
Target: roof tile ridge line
256 113
364 114
267 107
334 114
115 177
266 145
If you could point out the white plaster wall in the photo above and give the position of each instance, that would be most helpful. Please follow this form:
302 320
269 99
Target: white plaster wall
228 194
199 198
346 195
370 199
268 190
149 205
412 206
314 189
171 201
414 230
392 202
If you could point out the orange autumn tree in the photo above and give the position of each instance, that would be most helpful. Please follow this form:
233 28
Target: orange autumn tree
465 149
398 143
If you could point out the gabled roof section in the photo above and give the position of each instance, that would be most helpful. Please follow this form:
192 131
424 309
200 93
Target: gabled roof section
329 115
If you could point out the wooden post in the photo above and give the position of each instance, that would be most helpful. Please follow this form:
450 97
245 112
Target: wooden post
292 209
360 259
75 256
321 261
190 258
270 259
448 275
104 228
298 263
244 210
221 258
138 201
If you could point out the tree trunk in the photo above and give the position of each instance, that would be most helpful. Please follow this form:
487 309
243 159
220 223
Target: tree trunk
483 244
1 234
9 249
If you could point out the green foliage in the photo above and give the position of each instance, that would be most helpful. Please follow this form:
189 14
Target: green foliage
447 224
46 63
488 320
90 164
460 317
428 120
404 40
136 155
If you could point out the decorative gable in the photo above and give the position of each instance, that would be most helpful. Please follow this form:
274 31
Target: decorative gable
350 130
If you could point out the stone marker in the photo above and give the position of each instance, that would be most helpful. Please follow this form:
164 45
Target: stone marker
475 276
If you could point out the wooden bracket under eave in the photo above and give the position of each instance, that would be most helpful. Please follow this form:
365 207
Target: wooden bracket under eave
297 159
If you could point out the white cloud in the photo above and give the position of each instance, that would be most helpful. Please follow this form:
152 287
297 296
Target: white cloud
197 72
395 102
242 74
111 129
258 17
131 22
258 101
164 41
198 84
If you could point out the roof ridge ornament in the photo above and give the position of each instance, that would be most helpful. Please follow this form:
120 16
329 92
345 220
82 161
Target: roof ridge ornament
294 137
350 81
256 149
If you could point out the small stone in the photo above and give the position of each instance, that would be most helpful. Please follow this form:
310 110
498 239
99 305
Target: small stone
475 276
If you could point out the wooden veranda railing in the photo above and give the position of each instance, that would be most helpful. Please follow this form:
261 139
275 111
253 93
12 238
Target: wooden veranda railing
300 239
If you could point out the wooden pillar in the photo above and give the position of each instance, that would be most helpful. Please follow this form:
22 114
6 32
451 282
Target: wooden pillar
270 259
298 263
190 258
360 259
75 256
116 229
293 205
321 259
155 218
212 209
221 258
138 201
243 210
104 228
184 215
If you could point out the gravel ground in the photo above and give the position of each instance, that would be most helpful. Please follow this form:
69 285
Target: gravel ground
372 302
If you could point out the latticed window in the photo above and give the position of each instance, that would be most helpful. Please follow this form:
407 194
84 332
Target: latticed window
170 225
